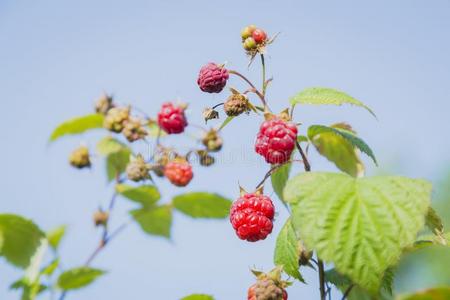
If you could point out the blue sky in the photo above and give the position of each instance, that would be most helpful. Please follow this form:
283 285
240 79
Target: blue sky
56 57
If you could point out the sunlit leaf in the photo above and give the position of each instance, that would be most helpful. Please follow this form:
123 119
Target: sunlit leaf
279 178
438 293
55 236
116 163
202 205
77 126
198 297
78 277
154 220
146 195
109 145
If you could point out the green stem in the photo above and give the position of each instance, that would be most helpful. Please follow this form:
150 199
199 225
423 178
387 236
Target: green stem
321 279
263 75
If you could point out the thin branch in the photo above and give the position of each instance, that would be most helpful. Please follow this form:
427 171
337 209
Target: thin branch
304 158
264 83
347 291
260 95
321 280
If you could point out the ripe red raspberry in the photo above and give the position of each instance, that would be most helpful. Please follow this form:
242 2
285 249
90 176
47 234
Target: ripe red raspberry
259 36
212 78
179 172
251 216
276 140
171 118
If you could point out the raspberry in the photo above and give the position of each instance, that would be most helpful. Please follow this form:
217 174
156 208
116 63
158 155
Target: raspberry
212 141
116 118
179 172
251 216
276 140
212 78
266 289
259 36
171 118
137 169
247 32
79 158
133 130
236 104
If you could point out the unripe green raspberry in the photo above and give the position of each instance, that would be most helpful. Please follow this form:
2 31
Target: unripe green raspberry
236 104
212 141
247 31
137 169
133 130
79 158
250 44
116 118
104 104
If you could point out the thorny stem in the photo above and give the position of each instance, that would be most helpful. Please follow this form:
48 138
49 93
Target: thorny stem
347 291
254 89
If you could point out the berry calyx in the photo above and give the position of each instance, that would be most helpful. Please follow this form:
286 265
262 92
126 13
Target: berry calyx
251 216
171 118
179 172
79 158
137 169
212 78
103 104
247 31
259 36
212 141
276 140
116 118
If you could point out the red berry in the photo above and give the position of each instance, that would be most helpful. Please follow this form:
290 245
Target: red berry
251 216
171 118
212 78
285 294
251 295
276 140
179 172
259 36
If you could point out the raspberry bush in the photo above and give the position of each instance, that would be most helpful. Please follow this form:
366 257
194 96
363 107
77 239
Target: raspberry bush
350 228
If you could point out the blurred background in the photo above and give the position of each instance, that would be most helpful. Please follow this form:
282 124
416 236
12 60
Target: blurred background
57 57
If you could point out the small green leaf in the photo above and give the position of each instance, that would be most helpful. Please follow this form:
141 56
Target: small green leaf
77 126
55 235
202 205
155 220
154 130
78 277
116 163
21 238
279 178
437 293
433 221
302 138
326 96
361 225
109 145
146 195
50 268
287 251
198 297
225 123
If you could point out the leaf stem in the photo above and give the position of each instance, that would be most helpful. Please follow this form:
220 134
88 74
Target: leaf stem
304 157
347 291
264 83
254 89
321 279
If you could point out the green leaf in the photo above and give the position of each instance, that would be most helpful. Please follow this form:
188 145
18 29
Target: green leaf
21 239
437 293
155 220
302 138
279 178
154 130
359 224
78 277
77 126
287 251
116 163
55 235
109 145
329 140
198 297
202 205
51 267
225 123
326 96
433 221
147 195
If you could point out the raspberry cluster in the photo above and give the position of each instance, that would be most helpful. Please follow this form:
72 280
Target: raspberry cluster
253 39
251 216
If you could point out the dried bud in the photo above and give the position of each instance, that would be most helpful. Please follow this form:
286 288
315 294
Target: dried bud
305 255
133 130
236 104
79 158
205 159
209 114
212 141
100 218
116 118
104 104
137 169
